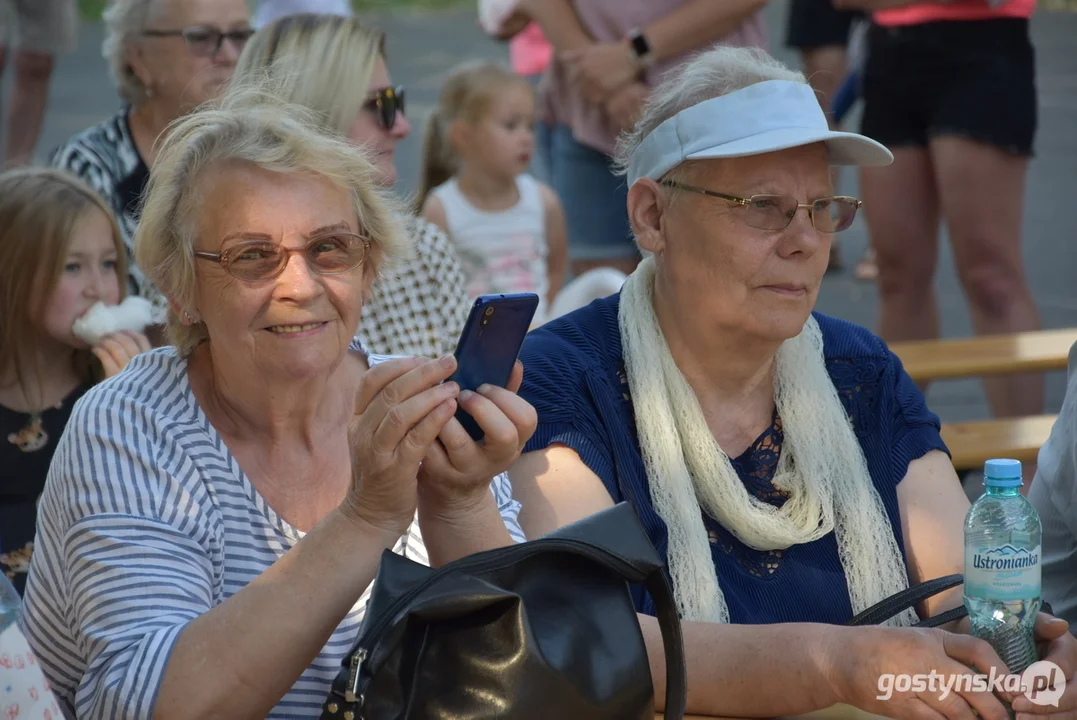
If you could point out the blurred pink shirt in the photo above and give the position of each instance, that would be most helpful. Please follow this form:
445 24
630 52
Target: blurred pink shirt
610 21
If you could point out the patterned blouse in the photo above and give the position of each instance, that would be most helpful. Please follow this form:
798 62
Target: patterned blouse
105 157
418 310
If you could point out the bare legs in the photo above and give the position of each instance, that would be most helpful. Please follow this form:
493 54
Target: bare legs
982 190
902 210
979 190
29 96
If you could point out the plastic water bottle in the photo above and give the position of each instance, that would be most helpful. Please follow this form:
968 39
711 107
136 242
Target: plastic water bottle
1002 566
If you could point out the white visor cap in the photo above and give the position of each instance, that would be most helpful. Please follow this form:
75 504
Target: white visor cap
761 118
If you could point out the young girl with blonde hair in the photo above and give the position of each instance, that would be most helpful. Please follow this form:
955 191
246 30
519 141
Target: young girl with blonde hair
509 229
61 252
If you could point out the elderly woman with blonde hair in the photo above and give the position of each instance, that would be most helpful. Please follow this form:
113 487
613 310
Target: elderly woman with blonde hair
215 514
166 57
782 461
336 66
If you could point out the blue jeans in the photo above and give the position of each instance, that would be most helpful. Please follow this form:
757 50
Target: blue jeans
595 200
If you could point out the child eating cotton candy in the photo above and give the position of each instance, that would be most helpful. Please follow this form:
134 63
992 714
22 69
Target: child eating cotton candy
61 255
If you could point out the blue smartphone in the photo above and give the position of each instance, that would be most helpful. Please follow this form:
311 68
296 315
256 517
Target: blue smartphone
490 343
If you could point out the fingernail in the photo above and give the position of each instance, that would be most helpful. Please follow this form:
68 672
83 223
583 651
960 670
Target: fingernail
484 388
447 361
465 394
450 387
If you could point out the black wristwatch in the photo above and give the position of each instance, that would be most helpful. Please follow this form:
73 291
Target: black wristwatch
641 48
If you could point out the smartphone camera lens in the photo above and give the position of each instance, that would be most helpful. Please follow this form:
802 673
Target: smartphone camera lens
489 311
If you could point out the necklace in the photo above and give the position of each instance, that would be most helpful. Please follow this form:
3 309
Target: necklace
33 436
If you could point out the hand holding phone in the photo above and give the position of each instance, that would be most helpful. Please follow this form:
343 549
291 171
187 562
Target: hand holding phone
460 466
489 345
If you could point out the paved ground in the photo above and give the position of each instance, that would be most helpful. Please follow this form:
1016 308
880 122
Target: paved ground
422 47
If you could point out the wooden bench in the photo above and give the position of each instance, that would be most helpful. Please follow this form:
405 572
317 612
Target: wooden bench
986 355
973 443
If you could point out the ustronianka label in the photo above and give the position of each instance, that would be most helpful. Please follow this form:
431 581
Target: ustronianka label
1002 573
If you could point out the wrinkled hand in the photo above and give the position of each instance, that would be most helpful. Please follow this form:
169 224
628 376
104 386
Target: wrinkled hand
457 471
859 657
1059 646
116 350
400 408
624 106
600 69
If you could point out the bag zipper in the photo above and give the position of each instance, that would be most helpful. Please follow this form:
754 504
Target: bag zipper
519 552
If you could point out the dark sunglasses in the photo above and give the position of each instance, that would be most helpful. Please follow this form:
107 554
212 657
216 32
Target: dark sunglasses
206 41
385 104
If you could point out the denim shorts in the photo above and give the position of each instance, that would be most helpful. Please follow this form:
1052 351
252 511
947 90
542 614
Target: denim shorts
595 200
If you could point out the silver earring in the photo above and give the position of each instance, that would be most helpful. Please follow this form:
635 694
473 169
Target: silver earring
187 317
149 92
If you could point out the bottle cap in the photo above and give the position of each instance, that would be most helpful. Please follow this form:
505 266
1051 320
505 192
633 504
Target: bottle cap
1003 472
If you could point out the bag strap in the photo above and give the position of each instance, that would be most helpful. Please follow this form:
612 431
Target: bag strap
882 611
672 642
624 548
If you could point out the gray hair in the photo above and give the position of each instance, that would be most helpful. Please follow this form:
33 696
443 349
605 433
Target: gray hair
124 21
708 75
255 127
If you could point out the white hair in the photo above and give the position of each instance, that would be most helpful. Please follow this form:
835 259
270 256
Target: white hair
124 21
705 76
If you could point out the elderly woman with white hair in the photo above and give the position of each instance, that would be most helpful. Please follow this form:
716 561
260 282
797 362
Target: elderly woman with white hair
215 514
166 57
781 460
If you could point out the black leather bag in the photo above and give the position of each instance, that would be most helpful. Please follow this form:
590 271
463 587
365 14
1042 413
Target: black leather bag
883 610
543 629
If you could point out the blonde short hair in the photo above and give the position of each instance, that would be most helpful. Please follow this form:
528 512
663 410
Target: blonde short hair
323 62
251 126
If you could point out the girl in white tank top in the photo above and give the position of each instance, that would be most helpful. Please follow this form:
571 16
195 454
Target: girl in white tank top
508 228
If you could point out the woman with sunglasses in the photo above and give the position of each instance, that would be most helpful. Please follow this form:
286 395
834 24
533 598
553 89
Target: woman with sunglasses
214 518
336 67
167 57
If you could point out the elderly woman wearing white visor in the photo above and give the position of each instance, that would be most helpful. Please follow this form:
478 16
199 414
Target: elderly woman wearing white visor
781 460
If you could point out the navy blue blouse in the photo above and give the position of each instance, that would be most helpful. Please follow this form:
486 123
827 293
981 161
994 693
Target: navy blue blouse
574 375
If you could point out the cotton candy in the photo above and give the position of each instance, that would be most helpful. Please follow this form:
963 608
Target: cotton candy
134 313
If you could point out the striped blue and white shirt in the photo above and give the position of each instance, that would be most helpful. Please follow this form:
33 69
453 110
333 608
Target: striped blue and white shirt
147 522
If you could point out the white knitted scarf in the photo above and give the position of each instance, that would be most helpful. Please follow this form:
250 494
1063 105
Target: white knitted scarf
821 467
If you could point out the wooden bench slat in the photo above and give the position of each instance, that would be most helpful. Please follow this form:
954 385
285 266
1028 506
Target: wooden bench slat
987 354
974 443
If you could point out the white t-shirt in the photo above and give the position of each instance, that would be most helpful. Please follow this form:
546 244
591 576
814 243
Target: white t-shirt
501 252
147 522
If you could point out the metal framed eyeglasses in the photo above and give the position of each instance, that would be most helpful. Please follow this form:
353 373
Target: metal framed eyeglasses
260 260
776 212
204 41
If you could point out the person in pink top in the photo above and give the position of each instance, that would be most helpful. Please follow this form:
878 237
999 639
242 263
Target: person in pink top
607 56
950 88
